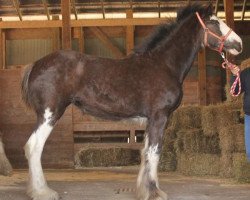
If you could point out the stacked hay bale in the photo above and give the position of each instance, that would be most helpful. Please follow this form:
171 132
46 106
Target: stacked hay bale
222 119
195 153
96 157
206 140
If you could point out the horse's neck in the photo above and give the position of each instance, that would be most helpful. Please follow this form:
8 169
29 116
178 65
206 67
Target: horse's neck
179 53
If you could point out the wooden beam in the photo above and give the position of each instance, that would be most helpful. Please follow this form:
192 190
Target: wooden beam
103 9
129 34
159 8
229 12
45 5
106 41
216 6
56 39
202 76
82 23
31 33
66 24
17 8
74 8
78 34
1 49
243 9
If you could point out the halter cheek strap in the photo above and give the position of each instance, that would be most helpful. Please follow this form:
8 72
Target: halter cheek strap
207 32
226 63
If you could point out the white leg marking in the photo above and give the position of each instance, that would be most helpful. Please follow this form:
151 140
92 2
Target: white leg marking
142 167
153 159
1 147
38 188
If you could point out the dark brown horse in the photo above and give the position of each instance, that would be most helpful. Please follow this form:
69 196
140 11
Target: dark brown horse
147 83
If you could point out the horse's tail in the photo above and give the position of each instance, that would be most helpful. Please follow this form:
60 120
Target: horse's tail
25 85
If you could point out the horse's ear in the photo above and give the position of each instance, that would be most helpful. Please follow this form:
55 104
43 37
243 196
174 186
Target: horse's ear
209 8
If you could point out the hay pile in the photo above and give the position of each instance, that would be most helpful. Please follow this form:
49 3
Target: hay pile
206 140
199 164
241 167
95 157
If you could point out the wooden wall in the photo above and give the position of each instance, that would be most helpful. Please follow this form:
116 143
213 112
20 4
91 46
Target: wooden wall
17 122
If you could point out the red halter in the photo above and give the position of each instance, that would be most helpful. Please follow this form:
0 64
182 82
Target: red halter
226 63
222 39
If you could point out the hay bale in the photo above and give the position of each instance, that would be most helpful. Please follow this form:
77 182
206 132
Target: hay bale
241 167
226 165
186 117
5 166
198 164
232 138
214 117
239 138
194 141
209 120
168 160
93 157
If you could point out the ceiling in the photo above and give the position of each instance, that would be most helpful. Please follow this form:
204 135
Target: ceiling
48 8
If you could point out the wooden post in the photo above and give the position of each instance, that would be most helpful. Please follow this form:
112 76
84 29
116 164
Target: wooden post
81 40
66 24
129 33
202 80
229 12
2 49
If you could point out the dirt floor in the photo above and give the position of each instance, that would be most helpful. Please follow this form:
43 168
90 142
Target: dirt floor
119 183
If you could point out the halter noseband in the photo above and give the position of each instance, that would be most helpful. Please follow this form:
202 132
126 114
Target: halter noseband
207 32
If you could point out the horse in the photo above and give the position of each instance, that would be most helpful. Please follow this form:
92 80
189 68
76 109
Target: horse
147 84
5 166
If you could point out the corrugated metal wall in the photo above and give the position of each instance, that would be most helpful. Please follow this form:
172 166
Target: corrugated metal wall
21 52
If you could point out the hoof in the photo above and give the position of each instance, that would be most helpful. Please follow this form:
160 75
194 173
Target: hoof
44 194
156 194
5 166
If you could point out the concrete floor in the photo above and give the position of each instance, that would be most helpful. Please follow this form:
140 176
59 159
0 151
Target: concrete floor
119 183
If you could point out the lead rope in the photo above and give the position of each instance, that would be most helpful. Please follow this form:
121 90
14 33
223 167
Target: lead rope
227 64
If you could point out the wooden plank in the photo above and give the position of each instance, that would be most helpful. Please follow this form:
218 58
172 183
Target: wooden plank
129 33
106 41
107 126
81 40
81 23
31 33
202 77
66 24
1 49
56 39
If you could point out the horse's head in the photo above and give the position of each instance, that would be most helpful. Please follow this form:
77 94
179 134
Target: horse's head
217 35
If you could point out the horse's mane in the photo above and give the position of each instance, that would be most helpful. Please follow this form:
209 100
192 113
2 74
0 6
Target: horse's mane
164 31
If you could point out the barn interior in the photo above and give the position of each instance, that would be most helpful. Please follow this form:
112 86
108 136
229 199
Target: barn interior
203 154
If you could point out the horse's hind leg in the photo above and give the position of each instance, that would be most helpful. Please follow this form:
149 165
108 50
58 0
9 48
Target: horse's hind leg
147 182
37 186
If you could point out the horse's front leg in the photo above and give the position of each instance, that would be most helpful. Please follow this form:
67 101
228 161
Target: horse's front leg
147 182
